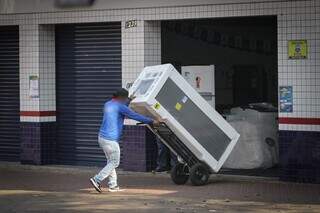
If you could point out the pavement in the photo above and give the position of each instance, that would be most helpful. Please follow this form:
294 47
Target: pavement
67 189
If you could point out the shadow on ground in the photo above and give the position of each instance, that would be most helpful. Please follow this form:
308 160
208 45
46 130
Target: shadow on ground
39 191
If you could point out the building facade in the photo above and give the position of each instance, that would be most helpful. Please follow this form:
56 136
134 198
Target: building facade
47 47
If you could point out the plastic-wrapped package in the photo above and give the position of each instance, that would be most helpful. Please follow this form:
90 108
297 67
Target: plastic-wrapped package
258 144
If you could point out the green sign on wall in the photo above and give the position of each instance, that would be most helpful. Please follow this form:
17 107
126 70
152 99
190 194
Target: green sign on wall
297 49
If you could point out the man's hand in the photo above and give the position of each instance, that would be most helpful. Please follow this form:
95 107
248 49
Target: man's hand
157 122
132 96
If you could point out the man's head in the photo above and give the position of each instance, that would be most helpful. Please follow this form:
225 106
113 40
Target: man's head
121 95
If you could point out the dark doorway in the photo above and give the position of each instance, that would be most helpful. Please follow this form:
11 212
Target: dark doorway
243 51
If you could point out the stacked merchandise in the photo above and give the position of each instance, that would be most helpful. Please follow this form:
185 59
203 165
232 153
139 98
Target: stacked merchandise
258 144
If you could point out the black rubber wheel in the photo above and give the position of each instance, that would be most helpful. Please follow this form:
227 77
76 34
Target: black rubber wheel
179 174
199 174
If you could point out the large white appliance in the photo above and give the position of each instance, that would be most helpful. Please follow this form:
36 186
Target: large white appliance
201 78
193 130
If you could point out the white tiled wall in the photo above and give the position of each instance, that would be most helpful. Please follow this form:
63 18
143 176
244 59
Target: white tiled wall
300 20
29 65
132 51
47 70
144 51
37 57
141 45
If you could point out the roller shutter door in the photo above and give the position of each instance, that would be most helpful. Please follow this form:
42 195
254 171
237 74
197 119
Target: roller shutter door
88 68
9 94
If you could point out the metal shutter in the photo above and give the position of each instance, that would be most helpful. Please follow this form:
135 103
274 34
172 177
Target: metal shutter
9 94
88 60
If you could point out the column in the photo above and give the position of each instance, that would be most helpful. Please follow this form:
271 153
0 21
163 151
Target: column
37 93
141 46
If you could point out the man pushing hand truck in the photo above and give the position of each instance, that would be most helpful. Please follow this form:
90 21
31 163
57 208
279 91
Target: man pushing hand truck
115 111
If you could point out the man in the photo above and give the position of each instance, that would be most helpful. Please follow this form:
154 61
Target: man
166 159
110 132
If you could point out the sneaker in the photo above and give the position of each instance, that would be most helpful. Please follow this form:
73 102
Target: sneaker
115 189
96 185
159 170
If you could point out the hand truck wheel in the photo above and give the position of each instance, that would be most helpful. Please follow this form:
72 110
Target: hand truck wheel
179 173
199 174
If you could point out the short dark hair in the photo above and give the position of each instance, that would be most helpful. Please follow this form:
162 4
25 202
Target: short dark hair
123 93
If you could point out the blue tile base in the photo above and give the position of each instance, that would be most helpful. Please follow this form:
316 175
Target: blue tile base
299 153
38 143
139 149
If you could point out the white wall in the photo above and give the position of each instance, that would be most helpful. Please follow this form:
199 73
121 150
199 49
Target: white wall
296 20
29 6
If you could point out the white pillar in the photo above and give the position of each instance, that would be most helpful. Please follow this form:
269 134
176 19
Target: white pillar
141 46
37 58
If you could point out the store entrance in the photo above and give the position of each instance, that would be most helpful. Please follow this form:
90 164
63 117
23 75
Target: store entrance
242 53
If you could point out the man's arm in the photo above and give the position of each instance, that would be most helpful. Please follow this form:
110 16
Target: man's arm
135 116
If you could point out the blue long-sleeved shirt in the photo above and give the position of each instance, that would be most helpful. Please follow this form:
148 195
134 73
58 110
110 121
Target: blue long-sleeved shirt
113 118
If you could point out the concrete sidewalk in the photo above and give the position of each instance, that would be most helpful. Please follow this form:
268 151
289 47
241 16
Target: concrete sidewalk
66 189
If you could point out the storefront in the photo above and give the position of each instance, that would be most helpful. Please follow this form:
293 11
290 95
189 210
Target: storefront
242 52
58 60
88 71
9 94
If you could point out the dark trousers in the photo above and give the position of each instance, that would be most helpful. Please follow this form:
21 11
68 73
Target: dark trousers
166 159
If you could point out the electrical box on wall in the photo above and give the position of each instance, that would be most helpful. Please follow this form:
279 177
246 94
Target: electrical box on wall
201 78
